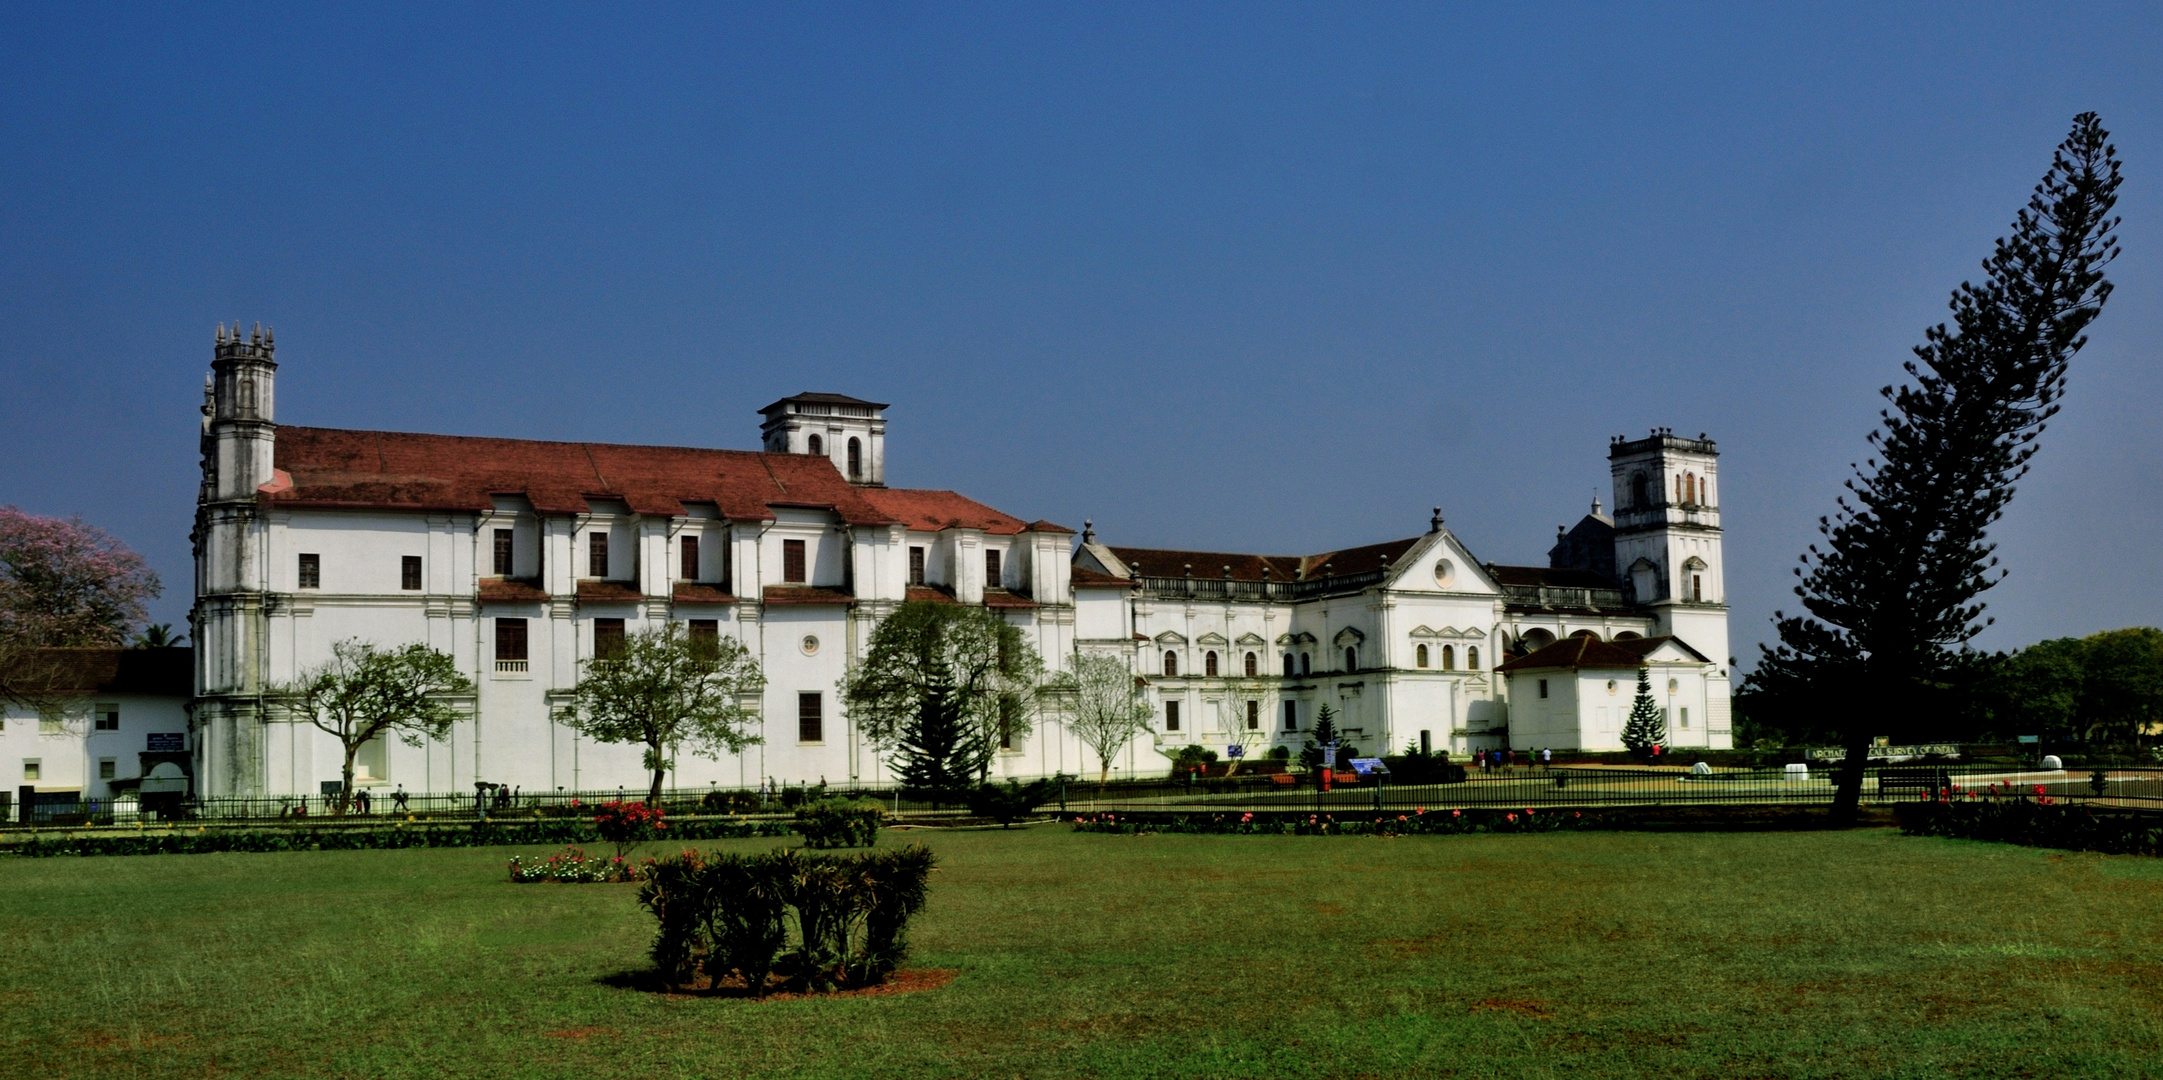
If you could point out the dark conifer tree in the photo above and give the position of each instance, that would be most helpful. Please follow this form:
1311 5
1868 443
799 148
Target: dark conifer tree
1645 728
1891 598
938 755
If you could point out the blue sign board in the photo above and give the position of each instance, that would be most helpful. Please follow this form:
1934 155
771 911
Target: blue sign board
167 742
1369 766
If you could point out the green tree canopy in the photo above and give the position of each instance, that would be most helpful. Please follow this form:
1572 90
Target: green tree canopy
664 689
365 693
952 680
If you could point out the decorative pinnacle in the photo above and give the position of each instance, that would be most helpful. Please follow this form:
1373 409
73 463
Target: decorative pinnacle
1434 524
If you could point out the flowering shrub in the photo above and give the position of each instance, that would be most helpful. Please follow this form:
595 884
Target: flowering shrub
1421 822
2039 821
831 823
571 866
628 824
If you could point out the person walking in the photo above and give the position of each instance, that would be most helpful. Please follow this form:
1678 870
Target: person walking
398 797
1547 758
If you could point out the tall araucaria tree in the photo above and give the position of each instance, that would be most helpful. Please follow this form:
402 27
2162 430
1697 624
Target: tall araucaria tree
1892 596
951 682
664 687
1645 728
364 693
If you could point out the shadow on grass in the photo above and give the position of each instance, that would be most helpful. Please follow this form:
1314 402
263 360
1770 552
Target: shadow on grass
649 981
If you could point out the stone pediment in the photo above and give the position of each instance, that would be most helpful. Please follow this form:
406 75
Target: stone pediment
1250 638
1212 638
1348 636
1171 637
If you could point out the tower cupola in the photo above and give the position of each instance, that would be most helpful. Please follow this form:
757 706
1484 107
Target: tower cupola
850 432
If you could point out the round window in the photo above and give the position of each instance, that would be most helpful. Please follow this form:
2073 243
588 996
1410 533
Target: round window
811 644
1444 573
1610 686
1673 685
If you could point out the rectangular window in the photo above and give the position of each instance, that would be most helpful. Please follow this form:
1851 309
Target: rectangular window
706 636
1171 716
108 769
607 638
32 769
597 554
503 553
916 566
1254 716
810 718
409 573
108 718
690 558
1697 588
792 561
1685 714
1543 687
311 570
510 644
992 578
1009 719
1291 716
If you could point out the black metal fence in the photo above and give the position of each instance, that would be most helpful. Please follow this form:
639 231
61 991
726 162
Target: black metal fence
1520 786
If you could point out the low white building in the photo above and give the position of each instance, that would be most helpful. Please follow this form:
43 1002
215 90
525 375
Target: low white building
100 721
520 558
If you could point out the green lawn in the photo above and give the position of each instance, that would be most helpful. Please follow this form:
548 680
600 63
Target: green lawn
1565 954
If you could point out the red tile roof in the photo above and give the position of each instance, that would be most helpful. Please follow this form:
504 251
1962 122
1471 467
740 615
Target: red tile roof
693 593
997 598
1086 578
608 592
1554 577
1166 562
1043 526
929 594
803 594
511 591
326 467
928 510
166 672
1585 652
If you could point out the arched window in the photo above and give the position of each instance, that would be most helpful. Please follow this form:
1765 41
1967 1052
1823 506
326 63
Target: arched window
1254 665
817 445
856 459
1305 668
1449 658
1351 658
1287 665
1171 664
1472 657
1419 655
1209 663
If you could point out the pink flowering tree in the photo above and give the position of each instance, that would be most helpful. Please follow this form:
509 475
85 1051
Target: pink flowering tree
62 584
66 583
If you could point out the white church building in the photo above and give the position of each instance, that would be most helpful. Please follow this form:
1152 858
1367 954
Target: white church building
519 558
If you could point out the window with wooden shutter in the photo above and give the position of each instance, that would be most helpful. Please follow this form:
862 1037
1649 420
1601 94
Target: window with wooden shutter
992 577
503 553
792 561
311 571
409 573
689 548
510 645
810 718
597 554
1171 716
607 638
916 566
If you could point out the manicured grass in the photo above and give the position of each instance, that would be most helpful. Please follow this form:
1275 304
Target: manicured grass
1564 954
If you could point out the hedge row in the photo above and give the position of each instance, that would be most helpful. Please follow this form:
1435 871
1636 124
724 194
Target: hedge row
1417 823
2036 823
202 841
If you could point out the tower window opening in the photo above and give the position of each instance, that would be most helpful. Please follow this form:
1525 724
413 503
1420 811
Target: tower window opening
1351 658
856 459
816 445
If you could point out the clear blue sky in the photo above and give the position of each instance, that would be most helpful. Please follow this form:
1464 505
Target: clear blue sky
1275 278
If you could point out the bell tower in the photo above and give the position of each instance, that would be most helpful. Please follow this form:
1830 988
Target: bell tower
229 621
850 432
1667 534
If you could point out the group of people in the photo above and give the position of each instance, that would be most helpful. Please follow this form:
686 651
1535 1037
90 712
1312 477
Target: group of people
1507 759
